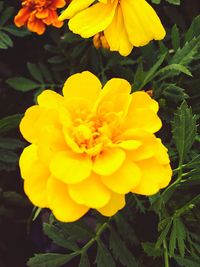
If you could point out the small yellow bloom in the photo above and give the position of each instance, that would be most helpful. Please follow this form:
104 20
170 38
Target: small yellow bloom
92 146
125 23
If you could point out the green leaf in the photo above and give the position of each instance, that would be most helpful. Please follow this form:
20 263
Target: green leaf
84 262
76 230
11 143
8 156
186 55
7 13
59 237
152 72
49 260
173 237
22 84
181 236
10 122
187 262
35 72
174 2
12 29
125 229
175 35
5 40
104 258
184 130
163 234
172 70
120 251
151 250
194 30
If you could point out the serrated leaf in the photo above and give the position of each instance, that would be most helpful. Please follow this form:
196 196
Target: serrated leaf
187 262
151 250
125 229
174 2
10 122
152 72
103 258
181 236
12 29
173 238
120 251
49 260
175 35
5 40
163 234
8 156
7 13
194 29
84 261
58 237
194 163
11 143
35 72
22 84
172 70
187 53
76 230
184 130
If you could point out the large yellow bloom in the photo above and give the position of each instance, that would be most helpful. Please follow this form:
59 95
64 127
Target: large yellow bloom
90 147
125 23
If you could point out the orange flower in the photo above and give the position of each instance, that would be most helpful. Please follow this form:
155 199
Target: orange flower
36 14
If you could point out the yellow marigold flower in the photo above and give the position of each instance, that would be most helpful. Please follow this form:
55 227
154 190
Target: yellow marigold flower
37 14
125 23
92 146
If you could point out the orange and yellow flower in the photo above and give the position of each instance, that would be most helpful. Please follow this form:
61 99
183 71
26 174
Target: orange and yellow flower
125 23
37 14
92 146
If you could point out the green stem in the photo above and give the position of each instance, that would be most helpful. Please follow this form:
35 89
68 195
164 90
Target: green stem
166 256
94 239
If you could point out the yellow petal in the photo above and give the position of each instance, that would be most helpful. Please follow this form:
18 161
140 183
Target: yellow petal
141 22
116 203
70 167
124 179
30 123
109 161
118 91
63 207
91 192
27 159
117 36
50 99
74 7
130 144
143 100
35 186
154 176
144 119
148 148
84 86
93 19
161 152
35 176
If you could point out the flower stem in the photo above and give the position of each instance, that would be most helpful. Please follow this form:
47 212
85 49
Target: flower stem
166 257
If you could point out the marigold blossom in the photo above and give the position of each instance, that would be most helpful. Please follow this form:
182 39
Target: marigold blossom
36 14
125 23
92 146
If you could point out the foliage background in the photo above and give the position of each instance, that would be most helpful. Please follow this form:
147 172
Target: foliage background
149 232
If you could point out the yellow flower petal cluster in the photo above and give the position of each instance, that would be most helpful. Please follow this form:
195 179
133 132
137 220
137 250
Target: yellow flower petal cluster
125 23
92 146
